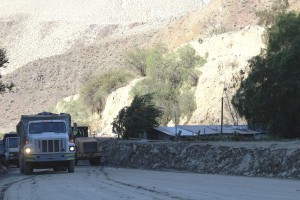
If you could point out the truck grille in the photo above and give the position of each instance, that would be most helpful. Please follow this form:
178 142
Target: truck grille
90 147
46 146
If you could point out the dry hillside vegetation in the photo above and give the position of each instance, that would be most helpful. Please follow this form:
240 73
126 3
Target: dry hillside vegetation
52 52
218 16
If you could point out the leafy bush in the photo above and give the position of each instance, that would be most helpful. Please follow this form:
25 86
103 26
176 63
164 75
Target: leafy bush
171 79
139 117
136 60
95 91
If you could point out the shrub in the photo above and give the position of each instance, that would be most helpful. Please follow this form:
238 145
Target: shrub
170 78
95 91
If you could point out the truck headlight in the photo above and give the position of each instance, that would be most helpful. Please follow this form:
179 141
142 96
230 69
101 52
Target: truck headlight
28 150
72 148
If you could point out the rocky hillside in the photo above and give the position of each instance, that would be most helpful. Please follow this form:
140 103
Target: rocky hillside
54 47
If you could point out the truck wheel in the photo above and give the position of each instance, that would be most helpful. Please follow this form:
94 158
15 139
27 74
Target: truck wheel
95 161
71 166
27 168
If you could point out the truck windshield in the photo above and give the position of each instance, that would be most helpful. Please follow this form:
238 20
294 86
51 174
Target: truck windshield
13 142
40 127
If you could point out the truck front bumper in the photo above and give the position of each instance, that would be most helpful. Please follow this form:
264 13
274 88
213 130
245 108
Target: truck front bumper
49 157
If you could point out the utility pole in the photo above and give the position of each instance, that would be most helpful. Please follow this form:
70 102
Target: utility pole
176 136
222 100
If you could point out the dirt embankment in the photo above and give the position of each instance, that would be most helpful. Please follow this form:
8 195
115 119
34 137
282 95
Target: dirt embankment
262 159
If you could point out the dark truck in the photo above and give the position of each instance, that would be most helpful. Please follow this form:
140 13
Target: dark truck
86 148
45 142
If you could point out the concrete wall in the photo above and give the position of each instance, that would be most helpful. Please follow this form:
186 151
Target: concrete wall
265 159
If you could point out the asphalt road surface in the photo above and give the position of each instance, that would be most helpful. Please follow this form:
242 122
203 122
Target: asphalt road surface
90 182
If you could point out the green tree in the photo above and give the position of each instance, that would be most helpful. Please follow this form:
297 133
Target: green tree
269 97
4 86
171 78
136 60
139 117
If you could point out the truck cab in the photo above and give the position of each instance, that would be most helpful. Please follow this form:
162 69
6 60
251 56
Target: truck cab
45 142
87 148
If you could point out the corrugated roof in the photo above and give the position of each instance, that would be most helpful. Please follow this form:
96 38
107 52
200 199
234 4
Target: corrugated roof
194 130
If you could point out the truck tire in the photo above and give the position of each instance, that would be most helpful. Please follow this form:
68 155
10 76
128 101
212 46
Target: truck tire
27 168
95 161
71 166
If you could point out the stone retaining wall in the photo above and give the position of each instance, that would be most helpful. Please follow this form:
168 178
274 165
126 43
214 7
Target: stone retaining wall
265 159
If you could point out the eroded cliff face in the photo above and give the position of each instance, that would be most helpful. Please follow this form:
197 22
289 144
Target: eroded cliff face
114 103
227 64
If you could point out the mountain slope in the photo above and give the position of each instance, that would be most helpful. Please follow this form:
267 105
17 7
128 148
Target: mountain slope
55 46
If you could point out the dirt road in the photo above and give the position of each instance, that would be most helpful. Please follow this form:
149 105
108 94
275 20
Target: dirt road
90 182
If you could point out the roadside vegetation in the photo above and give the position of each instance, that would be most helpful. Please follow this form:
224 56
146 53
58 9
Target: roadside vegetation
136 119
167 89
95 91
170 77
92 96
269 97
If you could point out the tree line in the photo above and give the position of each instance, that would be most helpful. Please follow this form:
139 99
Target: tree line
269 98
